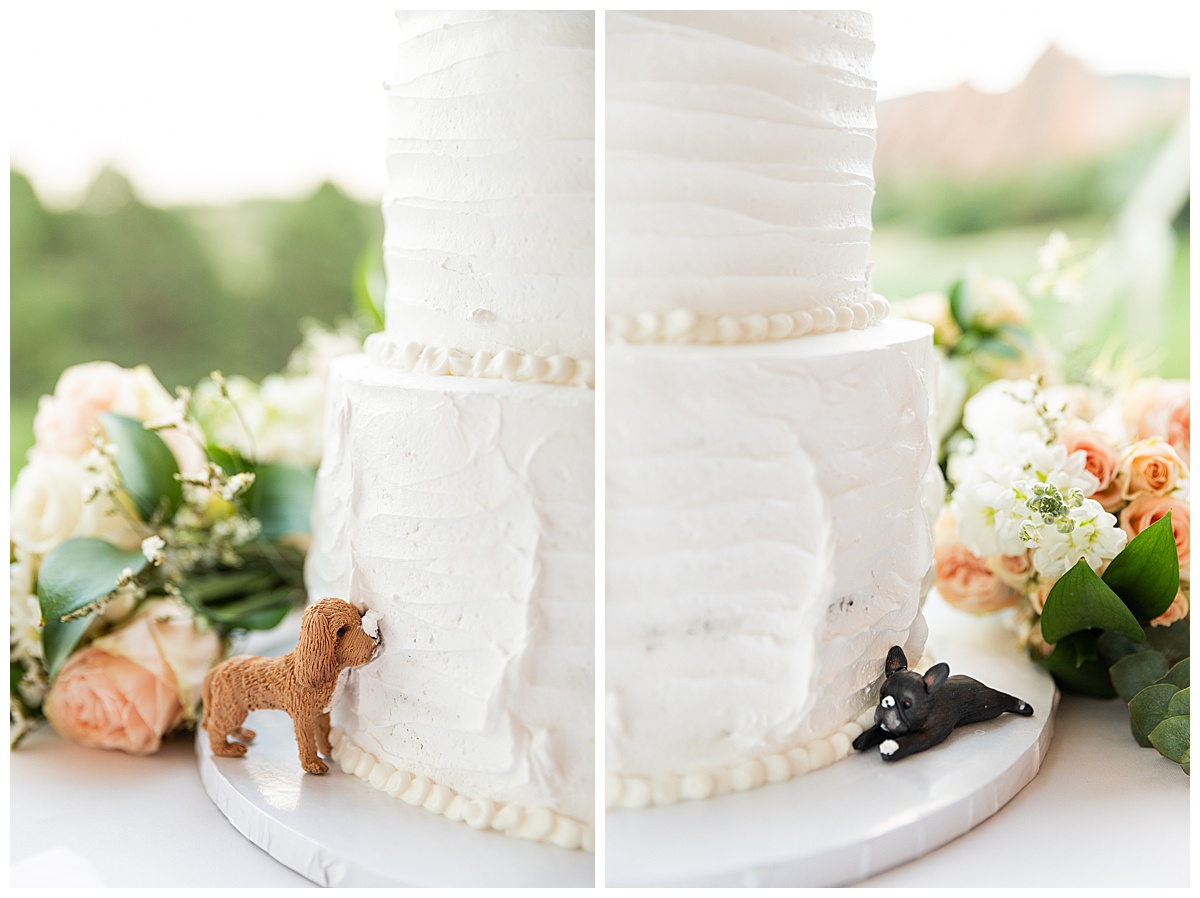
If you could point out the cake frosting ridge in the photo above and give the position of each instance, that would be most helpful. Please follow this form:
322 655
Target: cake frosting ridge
739 181
455 498
769 434
489 212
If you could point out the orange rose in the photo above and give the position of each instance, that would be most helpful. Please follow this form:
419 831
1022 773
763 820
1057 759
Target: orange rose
1146 510
1149 468
127 689
965 581
1178 610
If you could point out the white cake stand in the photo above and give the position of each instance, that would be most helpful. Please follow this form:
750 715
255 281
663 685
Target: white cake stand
860 816
338 831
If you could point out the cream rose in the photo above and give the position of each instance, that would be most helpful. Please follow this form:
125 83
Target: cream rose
127 689
1149 468
1146 510
996 302
1012 570
48 507
65 420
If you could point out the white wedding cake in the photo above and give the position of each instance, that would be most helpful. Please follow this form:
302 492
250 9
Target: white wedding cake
768 428
456 496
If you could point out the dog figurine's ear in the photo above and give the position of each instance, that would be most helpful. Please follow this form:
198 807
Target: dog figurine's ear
317 650
895 661
935 677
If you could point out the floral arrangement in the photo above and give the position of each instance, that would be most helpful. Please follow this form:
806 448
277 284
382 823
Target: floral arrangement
1070 501
148 529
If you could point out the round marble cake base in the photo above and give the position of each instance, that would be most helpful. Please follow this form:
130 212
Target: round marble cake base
338 831
860 816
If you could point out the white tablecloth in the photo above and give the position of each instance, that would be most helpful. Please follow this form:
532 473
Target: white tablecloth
1102 812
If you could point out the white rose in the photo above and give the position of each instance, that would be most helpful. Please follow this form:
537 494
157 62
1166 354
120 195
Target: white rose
48 508
1004 408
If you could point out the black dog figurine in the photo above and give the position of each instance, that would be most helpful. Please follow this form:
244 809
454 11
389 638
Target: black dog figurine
917 712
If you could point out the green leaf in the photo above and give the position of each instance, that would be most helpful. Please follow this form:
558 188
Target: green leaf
958 305
228 459
146 466
213 589
1175 641
1172 737
1080 601
1149 707
281 499
998 347
1185 760
1181 703
369 288
261 611
59 640
80 571
1145 574
1077 667
1179 675
1141 738
1135 672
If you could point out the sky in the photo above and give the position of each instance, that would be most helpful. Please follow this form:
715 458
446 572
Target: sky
220 101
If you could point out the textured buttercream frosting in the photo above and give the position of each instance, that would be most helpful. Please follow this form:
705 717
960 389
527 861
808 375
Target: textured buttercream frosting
738 174
489 234
766 544
461 512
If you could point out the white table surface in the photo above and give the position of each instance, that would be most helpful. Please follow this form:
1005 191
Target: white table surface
1102 812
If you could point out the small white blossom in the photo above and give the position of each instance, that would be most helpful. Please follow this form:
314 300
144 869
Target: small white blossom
152 548
1093 537
236 485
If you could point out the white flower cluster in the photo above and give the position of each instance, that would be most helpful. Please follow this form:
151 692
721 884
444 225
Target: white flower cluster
280 419
1015 490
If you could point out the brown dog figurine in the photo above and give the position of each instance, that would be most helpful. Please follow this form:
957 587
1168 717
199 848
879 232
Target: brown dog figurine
301 683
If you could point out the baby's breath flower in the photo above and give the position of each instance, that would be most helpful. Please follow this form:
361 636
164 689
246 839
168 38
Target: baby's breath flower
152 548
236 485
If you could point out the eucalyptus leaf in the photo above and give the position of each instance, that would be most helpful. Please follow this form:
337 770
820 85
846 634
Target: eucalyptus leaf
1174 641
59 640
1185 760
281 499
146 466
1135 672
1145 574
1180 675
1077 668
1141 738
1172 737
1149 707
1181 703
80 571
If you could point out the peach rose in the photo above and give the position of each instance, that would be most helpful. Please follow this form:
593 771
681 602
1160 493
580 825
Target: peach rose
1012 570
1149 468
1160 408
64 421
1146 510
1101 457
127 689
965 581
1177 610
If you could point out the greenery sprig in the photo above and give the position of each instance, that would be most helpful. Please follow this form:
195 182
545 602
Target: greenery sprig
1104 645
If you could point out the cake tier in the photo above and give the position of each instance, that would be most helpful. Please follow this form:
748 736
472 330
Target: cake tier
766 545
738 178
462 511
489 231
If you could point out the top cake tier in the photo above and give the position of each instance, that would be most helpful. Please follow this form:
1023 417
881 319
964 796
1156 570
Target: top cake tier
738 176
489 211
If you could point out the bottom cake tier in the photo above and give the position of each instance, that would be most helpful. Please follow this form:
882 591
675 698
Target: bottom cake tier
461 510
766 544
